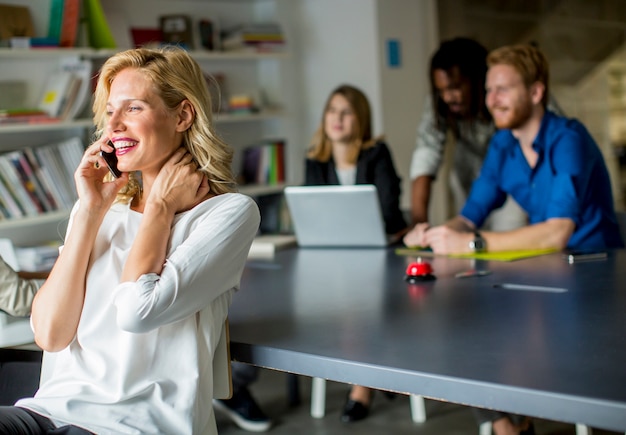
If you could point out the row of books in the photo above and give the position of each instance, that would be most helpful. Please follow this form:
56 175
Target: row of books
264 163
259 37
64 95
75 23
39 180
67 89
72 23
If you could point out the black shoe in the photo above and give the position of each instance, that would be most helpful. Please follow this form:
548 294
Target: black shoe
244 411
354 411
390 395
530 430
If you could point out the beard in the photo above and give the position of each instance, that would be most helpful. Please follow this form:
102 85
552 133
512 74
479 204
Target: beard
515 116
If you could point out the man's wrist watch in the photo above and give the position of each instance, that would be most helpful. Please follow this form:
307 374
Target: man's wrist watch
479 244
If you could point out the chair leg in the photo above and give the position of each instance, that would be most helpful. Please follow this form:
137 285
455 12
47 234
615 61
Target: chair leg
485 428
418 410
318 397
583 429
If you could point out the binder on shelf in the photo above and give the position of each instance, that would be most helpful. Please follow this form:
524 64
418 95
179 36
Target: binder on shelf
54 95
100 35
55 21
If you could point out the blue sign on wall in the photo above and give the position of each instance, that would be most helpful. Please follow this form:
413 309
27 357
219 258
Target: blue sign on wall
393 53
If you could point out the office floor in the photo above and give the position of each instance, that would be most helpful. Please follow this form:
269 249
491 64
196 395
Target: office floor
386 416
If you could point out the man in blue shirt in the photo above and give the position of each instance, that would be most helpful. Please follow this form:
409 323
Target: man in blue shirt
549 164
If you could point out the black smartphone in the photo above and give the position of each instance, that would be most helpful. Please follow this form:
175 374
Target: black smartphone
111 161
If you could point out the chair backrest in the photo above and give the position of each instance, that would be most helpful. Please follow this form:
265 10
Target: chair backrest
222 375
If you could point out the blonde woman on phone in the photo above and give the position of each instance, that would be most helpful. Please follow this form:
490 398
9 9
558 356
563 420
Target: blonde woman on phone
135 303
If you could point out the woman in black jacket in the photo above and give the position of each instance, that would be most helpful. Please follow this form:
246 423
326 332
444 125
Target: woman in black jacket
344 152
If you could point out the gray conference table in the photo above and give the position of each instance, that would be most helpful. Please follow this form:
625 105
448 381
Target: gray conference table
538 337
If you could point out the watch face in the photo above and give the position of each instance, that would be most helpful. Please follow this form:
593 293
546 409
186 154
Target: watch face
478 244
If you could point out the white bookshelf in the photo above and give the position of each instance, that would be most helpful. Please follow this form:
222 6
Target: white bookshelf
260 74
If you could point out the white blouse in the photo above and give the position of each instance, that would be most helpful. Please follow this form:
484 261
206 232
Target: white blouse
347 177
141 361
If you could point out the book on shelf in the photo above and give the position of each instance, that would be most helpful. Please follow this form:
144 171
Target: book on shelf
39 180
63 23
12 181
25 115
55 94
55 20
256 37
56 176
264 162
46 181
38 258
72 152
5 213
70 22
80 94
100 35
12 207
31 185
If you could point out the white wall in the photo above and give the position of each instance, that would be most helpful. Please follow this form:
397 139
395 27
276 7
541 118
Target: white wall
404 88
337 43
344 41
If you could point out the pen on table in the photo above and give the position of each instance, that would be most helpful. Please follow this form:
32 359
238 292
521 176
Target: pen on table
513 286
590 256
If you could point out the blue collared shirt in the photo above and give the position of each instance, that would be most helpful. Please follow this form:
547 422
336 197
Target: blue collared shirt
570 180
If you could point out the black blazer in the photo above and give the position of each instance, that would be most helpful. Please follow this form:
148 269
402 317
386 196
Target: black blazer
374 166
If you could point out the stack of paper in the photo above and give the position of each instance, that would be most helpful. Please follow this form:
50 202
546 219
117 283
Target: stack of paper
265 246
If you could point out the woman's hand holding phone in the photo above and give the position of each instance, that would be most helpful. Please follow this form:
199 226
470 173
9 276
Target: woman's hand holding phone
110 158
92 190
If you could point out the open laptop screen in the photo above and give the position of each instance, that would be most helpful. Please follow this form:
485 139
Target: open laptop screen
336 216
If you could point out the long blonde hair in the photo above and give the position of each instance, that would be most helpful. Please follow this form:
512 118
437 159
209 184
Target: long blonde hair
176 77
321 146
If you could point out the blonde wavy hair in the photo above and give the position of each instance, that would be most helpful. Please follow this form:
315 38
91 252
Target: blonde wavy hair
321 146
176 77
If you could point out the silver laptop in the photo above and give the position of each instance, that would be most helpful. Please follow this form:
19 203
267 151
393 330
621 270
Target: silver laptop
336 216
